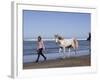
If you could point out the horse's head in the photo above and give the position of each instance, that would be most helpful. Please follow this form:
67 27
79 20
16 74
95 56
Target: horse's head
56 38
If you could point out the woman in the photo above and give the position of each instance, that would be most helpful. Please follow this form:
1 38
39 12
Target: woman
40 48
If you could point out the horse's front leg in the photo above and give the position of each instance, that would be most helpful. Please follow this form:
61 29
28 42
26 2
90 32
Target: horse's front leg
60 49
64 56
69 50
64 50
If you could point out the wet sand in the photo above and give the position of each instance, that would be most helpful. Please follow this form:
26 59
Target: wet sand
58 63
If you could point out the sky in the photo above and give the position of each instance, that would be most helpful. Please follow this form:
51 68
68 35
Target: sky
49 23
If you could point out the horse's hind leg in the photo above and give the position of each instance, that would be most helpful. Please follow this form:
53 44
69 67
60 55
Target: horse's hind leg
69 52
75 45
74 49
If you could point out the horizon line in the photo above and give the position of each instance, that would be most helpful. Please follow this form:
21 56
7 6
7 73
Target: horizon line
51 39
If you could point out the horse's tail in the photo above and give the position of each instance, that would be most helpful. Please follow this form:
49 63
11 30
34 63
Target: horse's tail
76 43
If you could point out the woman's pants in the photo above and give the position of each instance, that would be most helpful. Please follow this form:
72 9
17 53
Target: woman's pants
40 53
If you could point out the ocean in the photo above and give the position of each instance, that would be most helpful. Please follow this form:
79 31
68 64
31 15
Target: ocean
52 49
29 47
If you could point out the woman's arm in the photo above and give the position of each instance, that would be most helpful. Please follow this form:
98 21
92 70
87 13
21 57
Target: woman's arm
43 45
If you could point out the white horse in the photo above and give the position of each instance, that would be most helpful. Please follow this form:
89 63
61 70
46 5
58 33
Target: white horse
66 43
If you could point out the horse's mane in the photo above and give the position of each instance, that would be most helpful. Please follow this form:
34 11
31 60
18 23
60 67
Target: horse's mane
60 38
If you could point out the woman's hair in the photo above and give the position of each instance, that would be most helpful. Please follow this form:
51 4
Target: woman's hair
39 38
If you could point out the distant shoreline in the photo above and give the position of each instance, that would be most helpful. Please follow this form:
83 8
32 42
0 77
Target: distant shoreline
46 39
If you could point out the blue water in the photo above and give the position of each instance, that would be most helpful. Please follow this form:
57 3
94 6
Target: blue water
29 47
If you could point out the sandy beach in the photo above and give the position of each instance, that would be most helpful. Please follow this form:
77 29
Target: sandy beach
67 62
